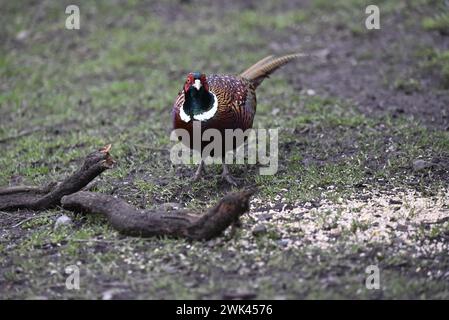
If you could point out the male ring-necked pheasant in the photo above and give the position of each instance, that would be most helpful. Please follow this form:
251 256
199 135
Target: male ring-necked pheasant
222 101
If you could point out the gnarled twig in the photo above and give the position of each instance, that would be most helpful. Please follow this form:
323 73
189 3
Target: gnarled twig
122 216
48 197
148 223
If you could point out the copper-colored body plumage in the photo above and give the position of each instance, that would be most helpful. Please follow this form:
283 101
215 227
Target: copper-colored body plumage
236 97
236 105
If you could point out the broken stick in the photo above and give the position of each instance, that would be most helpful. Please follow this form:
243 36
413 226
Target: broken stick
35 198
131 221
122 216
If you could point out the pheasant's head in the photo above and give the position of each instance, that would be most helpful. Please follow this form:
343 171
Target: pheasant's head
196 81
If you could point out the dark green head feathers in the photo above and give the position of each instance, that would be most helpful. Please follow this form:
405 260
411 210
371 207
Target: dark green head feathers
198 99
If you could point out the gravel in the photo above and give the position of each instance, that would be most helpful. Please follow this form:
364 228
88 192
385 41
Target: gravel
373 220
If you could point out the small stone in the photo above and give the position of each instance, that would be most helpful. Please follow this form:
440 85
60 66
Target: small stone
264 216
310 92
259 230
214 242
419 165
283 242
315 203
335 233
329 226
244 271
63 221
109 294
22 35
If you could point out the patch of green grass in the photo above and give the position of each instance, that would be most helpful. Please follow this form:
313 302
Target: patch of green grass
358 225
329 113
301 183
407 85
250 19
350 14
325 130
37 222
164 193
438 62
439 23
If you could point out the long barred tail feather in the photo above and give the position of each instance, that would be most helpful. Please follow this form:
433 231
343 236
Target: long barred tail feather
263 68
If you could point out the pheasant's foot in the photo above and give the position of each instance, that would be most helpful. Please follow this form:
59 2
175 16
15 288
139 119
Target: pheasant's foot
228 177
199 172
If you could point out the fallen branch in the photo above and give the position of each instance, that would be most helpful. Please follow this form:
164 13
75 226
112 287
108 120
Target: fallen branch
33 198
149 223
122 216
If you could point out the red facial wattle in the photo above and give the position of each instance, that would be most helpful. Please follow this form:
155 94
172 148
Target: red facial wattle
191 79
188 83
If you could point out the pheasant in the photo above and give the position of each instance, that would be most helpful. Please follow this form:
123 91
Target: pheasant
222 102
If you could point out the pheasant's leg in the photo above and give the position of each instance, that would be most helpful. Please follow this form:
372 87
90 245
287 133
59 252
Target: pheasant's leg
226 175
199 172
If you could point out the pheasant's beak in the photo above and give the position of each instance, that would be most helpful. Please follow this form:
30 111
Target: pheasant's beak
197 84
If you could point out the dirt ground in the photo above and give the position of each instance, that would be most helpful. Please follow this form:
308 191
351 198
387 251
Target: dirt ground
363 148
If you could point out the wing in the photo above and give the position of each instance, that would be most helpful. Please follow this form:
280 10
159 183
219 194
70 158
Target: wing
179 102
236 101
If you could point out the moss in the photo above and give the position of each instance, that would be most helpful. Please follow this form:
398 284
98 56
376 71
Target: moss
438 62
253 19
439 23
408 86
